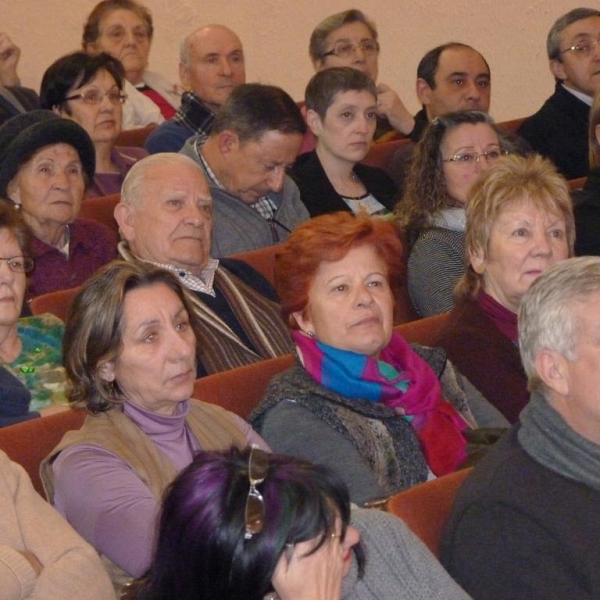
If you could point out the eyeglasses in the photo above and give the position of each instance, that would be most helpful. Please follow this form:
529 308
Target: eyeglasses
258 465
96 97
347 49
470 158
583 48
19 264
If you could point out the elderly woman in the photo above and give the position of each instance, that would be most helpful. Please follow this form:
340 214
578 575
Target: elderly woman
305 546
32 378
454 151
361 400
123 29
587 200
349 39
89 90
519 223
46 163
130 357
341 108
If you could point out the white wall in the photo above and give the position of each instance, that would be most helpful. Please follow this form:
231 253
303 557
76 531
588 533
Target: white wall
511 35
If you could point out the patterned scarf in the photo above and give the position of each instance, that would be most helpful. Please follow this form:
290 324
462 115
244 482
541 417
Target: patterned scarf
194 114
399 379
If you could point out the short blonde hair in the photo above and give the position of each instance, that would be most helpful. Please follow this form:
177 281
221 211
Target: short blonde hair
512 178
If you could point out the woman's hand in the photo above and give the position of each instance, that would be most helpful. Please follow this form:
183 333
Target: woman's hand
314 577
9 59
391 106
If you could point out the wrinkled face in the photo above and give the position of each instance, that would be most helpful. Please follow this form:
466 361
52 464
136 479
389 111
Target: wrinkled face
347 130
350 303
12 285
467 138
353 34
156 367
173 222
124 36
580 71
216 65
525 240
49 186
255 168
462 82
101 121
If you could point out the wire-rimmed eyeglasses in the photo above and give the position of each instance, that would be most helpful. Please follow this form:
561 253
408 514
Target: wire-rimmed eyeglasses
96 97
585 47
254 516
343 49
19 264
470 158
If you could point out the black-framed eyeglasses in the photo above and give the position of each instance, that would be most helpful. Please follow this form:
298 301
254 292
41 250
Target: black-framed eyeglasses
19 264
343 49
470 158
254 516
583 48
96 97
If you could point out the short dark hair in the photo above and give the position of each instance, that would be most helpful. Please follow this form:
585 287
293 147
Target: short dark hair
553 39
91 29
253 109
94 328
324 85
201 551
429 64
73 71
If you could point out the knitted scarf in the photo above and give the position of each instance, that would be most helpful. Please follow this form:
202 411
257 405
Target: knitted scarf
549 440
399 379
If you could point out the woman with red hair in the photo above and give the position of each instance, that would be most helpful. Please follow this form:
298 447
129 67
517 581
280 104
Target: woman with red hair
383 414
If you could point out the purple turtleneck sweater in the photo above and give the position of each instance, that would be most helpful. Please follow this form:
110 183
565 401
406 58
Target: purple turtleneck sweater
108 504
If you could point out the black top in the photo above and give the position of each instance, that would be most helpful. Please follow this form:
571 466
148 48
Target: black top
320 197
28 99
586 206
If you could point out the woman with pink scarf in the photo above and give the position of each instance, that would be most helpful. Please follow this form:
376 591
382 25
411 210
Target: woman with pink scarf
381 413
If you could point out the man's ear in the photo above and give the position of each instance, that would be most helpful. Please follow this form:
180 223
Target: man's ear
423 92
106 370
124 217
228 141
184 76
313 120
557 69
551 368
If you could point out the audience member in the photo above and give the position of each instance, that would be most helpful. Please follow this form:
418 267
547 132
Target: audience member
586 202
349 39
130 356
165 217
455 149
525 524
559 129
31 372
256 136
305 546
14 99
89 90
45 165
383 415
211 66
41 557
124 29
519 223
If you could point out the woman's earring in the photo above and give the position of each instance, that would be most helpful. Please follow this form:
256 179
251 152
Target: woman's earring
310 334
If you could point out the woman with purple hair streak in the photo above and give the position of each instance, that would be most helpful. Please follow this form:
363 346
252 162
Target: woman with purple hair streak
248 525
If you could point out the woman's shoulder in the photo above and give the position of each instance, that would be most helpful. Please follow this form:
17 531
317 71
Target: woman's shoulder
49 326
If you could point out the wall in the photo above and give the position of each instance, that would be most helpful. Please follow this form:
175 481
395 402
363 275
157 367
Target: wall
511 34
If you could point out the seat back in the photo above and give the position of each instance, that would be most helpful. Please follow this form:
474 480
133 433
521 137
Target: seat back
135 137
425 508
101 210
263 260
576 184
382 155
28 443
240 390
56 303
423 331
511 126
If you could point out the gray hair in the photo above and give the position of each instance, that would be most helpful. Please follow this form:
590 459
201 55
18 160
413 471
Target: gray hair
553 41
316 46
132 190
546 316
184 49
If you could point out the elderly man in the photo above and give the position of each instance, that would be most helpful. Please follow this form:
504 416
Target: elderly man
256 136
526 524
559 130
451 77
165 218
211 66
